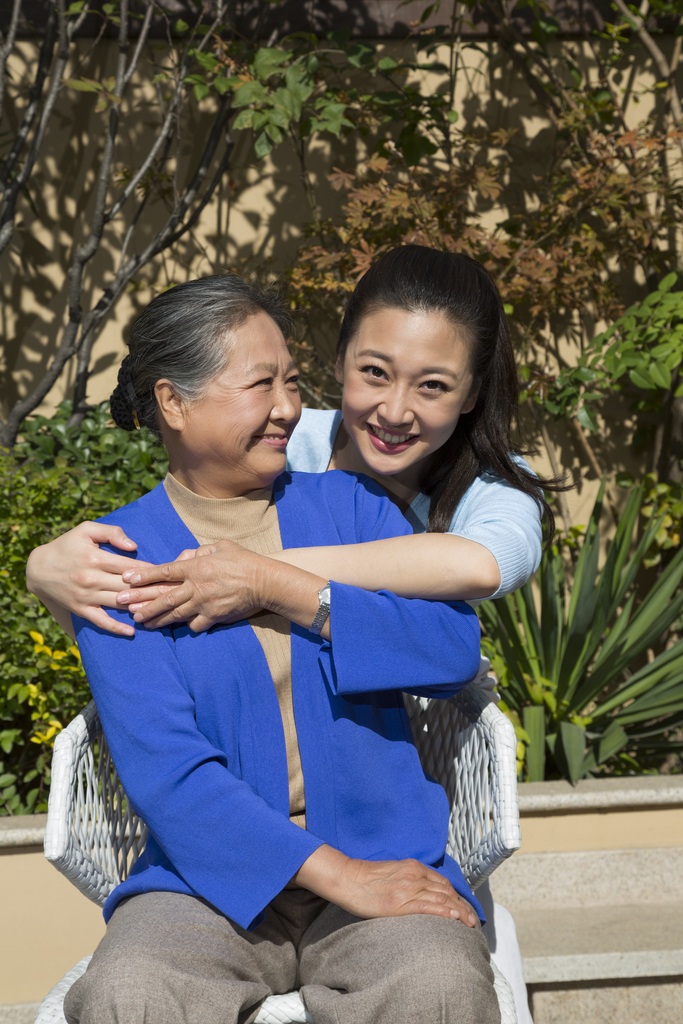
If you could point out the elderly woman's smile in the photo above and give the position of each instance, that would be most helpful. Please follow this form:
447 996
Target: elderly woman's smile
233 439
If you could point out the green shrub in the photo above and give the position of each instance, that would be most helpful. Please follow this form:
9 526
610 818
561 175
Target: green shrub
53 479
592 674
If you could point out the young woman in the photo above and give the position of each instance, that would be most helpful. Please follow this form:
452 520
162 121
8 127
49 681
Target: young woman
430 392
294 840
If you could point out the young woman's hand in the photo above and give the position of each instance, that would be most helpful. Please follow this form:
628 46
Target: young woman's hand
388 888
73 574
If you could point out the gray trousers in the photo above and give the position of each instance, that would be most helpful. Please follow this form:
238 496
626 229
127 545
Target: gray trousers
173 959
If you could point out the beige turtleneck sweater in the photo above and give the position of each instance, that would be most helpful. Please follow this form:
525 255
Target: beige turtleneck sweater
252 522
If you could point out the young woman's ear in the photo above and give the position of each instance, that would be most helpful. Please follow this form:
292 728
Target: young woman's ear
170 406
471 398
339 371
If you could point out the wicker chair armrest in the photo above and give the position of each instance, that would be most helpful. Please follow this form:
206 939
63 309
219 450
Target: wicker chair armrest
469 746
91 836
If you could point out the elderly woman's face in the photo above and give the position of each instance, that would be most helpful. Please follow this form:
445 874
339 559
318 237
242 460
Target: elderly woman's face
234 440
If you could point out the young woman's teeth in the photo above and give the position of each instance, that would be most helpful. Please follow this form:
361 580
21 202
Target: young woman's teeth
383 435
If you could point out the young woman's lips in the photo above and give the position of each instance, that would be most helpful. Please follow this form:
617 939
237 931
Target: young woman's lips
388 442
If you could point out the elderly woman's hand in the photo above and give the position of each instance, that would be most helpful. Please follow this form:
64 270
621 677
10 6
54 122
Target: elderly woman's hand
224 582
214 583
74 574
385 888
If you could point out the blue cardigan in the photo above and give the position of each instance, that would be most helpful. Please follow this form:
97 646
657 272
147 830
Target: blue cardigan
196 733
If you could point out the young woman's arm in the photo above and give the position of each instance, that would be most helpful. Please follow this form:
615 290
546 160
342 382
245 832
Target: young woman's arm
73 574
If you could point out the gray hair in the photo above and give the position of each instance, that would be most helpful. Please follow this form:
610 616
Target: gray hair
181 336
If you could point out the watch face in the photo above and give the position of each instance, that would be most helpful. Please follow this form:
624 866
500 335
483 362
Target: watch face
324 594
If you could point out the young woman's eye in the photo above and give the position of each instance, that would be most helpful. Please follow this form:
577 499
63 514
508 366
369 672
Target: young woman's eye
434 386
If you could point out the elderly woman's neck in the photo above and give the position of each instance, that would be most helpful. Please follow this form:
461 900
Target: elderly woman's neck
214 482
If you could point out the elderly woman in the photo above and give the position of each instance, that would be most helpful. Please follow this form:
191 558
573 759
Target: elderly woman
295 841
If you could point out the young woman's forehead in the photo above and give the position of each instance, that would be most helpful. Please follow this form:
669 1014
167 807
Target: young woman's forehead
428 339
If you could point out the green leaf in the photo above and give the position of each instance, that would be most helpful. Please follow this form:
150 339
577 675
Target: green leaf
201 90
222 84
83 84
268 61
387 64
660 375
586 420
180 27
534 725
452 116
76 8
573 740
668 282
612 741
641 379
274 133
244 119
250 92
205 60
262 146
508 309
414 146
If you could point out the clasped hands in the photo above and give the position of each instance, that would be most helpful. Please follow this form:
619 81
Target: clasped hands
221 582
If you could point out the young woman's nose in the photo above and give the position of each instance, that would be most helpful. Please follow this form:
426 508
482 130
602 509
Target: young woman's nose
394 411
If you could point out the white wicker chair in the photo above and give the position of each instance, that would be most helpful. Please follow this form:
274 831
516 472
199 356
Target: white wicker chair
93 837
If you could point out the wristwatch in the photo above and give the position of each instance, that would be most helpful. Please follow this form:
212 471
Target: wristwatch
323 610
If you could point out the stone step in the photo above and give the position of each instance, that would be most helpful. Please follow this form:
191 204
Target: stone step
601 942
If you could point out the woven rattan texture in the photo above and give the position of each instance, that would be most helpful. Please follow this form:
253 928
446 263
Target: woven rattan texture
466 743
92 835
469 746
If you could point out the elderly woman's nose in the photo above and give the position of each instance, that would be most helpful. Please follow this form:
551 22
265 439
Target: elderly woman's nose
287 404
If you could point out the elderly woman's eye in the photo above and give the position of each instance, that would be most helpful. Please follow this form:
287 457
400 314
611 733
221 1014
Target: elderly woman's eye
376 372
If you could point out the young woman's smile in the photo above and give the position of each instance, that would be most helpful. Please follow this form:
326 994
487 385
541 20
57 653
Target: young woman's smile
407 379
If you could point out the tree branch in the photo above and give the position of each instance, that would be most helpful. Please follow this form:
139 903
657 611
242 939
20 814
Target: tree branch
42 69
663 66
65 33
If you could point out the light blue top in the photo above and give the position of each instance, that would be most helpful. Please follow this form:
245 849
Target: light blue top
491 512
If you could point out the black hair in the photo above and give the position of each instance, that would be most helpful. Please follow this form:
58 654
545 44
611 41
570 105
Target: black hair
181 336
420 279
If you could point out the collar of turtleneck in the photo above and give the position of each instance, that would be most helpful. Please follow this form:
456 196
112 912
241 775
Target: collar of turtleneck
213 519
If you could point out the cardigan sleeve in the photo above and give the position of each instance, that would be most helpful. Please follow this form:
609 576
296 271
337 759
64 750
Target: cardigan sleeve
239 851
383 642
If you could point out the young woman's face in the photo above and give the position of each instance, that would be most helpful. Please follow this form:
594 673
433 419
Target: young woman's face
234 439
407 379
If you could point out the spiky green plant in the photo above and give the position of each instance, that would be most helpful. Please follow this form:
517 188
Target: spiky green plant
573 664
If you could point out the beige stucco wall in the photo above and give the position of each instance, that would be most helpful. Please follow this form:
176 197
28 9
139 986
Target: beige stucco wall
46 925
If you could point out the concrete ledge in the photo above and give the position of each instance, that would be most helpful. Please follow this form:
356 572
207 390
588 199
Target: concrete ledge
601 794
603 966
25 830
18 1013
604 878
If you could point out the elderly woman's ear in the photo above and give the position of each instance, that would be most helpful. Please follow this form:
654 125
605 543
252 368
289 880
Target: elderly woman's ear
170 405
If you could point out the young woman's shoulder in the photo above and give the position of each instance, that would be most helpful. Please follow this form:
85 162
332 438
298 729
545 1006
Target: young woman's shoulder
310 446
503 519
